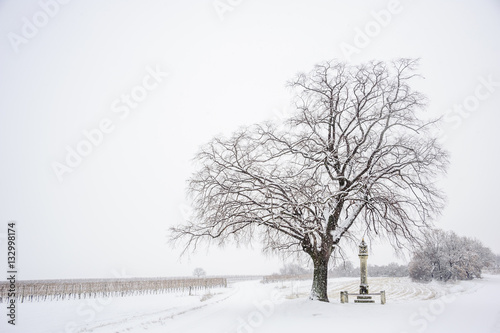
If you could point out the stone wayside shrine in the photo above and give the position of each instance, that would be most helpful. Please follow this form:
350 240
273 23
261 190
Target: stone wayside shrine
364 296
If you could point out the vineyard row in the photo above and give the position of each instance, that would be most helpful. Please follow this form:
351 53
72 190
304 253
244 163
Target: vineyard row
34 291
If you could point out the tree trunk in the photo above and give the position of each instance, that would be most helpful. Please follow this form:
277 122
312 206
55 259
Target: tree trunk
320 279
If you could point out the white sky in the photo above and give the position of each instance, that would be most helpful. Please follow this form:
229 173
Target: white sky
111 214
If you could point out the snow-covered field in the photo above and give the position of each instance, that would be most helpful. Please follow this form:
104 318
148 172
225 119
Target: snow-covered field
244 307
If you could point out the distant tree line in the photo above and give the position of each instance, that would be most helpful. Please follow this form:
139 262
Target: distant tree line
347 269
391 270
294 269
445 256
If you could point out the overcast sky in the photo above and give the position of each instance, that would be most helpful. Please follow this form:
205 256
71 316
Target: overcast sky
150 81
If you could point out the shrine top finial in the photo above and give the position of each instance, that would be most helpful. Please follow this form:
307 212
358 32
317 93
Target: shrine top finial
363 248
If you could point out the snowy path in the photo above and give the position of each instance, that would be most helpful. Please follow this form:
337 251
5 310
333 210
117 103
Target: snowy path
247 307
227 313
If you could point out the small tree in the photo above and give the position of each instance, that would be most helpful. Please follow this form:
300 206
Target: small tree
354 154
199 272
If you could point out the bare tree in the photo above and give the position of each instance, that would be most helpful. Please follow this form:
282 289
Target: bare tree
199 272
354 157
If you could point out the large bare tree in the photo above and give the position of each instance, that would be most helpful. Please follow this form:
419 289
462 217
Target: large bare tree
355 157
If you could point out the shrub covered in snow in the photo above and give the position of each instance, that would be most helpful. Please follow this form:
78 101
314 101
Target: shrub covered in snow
445 256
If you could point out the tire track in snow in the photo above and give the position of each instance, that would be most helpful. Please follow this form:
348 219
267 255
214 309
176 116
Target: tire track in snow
147 319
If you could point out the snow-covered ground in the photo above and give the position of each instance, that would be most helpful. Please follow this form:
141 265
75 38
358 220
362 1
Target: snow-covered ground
245 307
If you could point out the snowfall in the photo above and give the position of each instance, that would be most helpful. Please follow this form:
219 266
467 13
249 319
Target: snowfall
250 306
